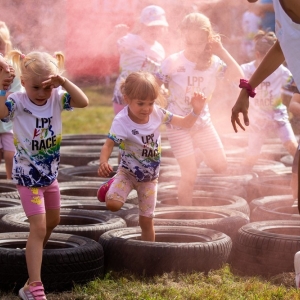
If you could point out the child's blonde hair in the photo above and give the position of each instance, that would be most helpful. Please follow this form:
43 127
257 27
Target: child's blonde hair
142 85
196 22
264 41
5 37
36 63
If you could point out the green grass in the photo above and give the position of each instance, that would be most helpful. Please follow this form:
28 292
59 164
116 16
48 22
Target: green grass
220 284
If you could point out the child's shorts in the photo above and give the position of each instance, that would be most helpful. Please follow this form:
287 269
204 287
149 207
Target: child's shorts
125 182
184 141
7 142
36 200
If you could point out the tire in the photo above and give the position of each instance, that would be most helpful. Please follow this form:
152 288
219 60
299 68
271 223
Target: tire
283 207
9 206
266 248
223 187
269 186
82 173
98 206
209 199
83 139
85 190
179 249
73 221
219 219
67 259
81 155
7 186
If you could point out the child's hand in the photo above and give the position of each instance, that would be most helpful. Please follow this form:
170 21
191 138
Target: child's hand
4 64
120 30
104 169
54 81
6 78
217 46
198 102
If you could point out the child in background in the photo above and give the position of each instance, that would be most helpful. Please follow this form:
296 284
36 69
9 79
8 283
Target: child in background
7 147
197 68
138 51
137 131
37 127
268 113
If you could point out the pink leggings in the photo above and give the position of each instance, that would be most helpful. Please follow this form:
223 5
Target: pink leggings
36 200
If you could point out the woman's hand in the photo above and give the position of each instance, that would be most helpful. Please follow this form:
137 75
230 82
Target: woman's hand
104 169
54 81
241 106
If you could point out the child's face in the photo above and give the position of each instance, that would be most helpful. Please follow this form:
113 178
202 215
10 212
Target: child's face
153 33
34 90
139 110
195 42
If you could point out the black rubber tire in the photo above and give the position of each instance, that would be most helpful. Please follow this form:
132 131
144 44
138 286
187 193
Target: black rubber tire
269 186
98 206
209 199
227 188
266 248
282 207
219 219
81 222
81 155
177 248
8 205
85 190
67 259
7 186
82 173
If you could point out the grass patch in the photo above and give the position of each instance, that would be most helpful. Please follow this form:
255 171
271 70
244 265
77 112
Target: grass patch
220 284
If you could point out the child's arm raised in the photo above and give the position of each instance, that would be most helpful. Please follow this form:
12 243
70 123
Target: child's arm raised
78 97
6 78
105 168
198 102
234 72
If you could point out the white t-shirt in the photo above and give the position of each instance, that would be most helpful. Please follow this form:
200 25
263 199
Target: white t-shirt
288 34
267 104
183 80
37 137
136 55
140 144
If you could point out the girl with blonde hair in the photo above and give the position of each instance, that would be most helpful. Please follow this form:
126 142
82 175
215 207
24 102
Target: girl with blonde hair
37 126
197 68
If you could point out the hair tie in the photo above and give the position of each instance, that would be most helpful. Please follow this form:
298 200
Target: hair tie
22 56
245 85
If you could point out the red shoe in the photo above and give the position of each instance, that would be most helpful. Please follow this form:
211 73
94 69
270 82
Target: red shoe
101 193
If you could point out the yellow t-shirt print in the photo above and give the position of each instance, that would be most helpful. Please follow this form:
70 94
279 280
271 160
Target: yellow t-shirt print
36 199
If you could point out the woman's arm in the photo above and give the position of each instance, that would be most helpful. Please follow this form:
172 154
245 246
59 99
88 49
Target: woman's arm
105 168
272 60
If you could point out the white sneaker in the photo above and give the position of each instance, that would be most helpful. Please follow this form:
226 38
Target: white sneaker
297 269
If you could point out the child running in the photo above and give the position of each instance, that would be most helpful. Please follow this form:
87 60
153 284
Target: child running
268 113
196 69
136 129
37 127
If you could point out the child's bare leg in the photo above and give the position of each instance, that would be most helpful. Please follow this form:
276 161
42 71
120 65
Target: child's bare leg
52 220
188 170
147 226
291 146
8 158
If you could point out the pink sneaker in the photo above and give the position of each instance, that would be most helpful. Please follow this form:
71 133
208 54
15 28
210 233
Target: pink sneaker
101 193
33 291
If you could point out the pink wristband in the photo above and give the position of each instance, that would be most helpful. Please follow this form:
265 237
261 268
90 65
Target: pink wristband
244 84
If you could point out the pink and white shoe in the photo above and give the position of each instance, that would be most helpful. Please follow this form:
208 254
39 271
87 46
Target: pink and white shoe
32 291
101 193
